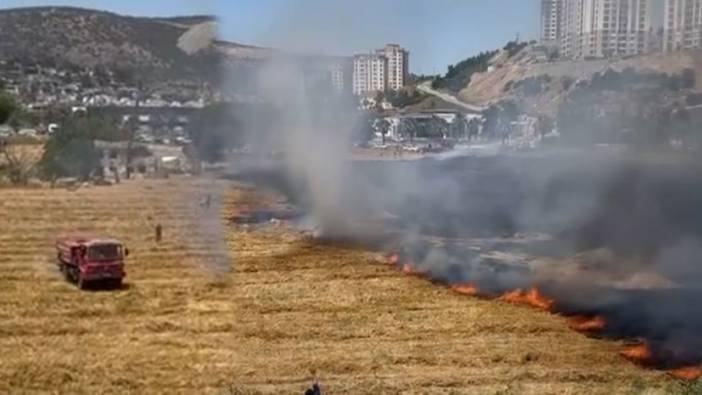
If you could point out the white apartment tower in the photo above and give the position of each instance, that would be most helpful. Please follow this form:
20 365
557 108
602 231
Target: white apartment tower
386 69
340 73
398 65
551 12
370 73
604 28
336 71
682 25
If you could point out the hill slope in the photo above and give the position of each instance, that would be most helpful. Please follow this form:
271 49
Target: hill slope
499 82
179 47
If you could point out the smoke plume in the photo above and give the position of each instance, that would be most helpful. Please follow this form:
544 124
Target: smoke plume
612 235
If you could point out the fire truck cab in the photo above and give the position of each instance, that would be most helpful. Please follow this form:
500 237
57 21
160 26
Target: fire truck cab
86 259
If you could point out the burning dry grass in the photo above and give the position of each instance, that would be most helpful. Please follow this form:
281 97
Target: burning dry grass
587 323
640 353
466 289
532 297
687 373
290 307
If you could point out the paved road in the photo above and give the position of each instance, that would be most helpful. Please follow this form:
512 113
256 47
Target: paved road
426 88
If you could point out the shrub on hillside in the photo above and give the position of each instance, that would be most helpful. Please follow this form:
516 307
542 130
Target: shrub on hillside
458 77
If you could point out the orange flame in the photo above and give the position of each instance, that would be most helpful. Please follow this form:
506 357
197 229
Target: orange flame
466 289
393 259
640 353
687 373
533 298
409 270
587 324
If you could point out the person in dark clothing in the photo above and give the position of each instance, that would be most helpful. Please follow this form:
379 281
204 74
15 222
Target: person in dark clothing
159 233
315 390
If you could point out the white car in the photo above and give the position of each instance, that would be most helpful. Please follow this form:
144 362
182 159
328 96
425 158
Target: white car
6 131
27 133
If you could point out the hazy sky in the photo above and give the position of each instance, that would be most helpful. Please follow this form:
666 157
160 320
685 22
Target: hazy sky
436 32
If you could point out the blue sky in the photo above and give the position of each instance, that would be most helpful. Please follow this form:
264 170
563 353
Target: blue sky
436 32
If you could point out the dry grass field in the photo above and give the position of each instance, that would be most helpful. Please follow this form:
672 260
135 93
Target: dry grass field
284 308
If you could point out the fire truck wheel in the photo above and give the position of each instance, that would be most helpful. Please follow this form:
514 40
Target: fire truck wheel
82 284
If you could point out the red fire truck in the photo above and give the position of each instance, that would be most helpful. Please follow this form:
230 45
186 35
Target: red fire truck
88 259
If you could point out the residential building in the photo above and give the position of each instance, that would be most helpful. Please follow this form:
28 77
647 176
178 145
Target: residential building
683 25
385 69
551 12
341 77
370 74
114 159
337 76
604 28
397 65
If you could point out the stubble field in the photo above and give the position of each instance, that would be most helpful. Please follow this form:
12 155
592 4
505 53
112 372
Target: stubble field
277 310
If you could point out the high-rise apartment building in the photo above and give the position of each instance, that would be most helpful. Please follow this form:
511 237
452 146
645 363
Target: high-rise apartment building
551 12
370 73
386 69
398 65
682 25
604 28
340 71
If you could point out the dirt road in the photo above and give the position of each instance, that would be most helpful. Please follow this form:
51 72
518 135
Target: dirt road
426 88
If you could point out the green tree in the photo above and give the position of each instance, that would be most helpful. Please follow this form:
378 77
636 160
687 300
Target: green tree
71 152
688 79
22 118
383 127
674 83
363 127
218 128
379 98
78 157
545 125
403 97
409 129
7 107
497 118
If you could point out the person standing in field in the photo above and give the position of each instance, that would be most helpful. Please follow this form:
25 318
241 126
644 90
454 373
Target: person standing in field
159 233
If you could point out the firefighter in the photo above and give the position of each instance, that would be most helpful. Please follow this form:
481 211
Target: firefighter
205 202
159 233
315 390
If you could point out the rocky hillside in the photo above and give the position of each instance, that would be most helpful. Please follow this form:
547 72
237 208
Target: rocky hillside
540 85
180 47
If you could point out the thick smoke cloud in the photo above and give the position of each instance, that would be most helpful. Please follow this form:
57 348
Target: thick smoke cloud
622 235
609 234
